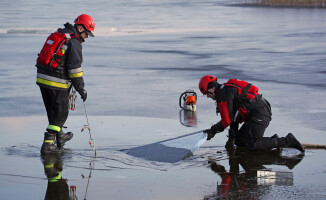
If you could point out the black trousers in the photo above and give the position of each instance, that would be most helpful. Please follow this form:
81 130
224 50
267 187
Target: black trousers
56 103
251 133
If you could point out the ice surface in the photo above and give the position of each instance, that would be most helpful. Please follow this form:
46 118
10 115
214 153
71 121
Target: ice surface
191 141
171 150
143 56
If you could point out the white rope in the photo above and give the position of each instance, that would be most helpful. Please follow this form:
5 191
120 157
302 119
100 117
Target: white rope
91 141
72 99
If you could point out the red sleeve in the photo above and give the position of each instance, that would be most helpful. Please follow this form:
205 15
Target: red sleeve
225 115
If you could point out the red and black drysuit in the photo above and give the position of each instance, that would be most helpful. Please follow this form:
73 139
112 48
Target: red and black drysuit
237 102
54 82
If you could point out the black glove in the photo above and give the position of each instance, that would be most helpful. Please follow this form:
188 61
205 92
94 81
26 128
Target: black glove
210 133
83 95
217 128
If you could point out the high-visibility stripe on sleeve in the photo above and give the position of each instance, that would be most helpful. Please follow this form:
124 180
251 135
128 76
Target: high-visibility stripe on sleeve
80 74
74 71
54 128
51 78
52 83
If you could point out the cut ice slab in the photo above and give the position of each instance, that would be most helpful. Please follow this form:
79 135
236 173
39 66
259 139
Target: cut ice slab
172 150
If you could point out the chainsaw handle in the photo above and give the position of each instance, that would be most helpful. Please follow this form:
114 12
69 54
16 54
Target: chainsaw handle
187 92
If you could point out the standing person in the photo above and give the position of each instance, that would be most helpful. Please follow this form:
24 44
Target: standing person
239 101
59 63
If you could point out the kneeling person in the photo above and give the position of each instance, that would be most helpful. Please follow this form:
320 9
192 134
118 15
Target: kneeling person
238 101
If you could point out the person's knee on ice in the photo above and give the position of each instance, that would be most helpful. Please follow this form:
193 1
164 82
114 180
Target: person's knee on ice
239 101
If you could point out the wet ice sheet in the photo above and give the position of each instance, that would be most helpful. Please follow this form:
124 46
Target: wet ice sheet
117 175
172 150
191 141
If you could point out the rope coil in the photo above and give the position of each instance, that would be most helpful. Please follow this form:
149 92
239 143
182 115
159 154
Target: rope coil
72 99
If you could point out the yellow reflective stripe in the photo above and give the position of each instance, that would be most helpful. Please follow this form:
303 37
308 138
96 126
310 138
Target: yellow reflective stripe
51 78
52 83
49 166
56 178
54 128
80 74
48 141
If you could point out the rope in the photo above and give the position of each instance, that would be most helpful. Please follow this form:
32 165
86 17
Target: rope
72 98
91 167
91 141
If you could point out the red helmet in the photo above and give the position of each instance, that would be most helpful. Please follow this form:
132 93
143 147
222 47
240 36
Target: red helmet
204 81
87 21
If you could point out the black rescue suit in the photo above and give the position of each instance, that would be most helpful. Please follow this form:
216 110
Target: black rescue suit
54 82
238 103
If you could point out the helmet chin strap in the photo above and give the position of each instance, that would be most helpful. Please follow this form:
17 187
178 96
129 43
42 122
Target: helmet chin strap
217 89
212 93
79 33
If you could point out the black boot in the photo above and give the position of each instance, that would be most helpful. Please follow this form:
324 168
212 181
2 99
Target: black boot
293 142
48 144
62 138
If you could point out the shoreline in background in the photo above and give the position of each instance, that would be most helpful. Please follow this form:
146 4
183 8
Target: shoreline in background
285 3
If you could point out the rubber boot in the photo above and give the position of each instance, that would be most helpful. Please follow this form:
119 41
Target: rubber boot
62 138
293 142
48 144
276 136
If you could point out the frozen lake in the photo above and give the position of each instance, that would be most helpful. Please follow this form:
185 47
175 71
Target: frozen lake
113 174
145 54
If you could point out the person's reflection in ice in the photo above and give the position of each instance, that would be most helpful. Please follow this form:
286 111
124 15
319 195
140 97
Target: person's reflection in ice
57 186
245 184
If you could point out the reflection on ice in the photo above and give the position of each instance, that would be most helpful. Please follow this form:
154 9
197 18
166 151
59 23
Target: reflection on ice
266 177
256 179
114 169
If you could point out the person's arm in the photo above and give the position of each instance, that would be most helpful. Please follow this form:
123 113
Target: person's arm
225 100
75 71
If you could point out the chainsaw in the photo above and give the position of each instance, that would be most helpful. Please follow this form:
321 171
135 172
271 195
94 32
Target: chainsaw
187 100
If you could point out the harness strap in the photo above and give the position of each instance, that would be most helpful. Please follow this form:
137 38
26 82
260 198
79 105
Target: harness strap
54 56
244 91
242 96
